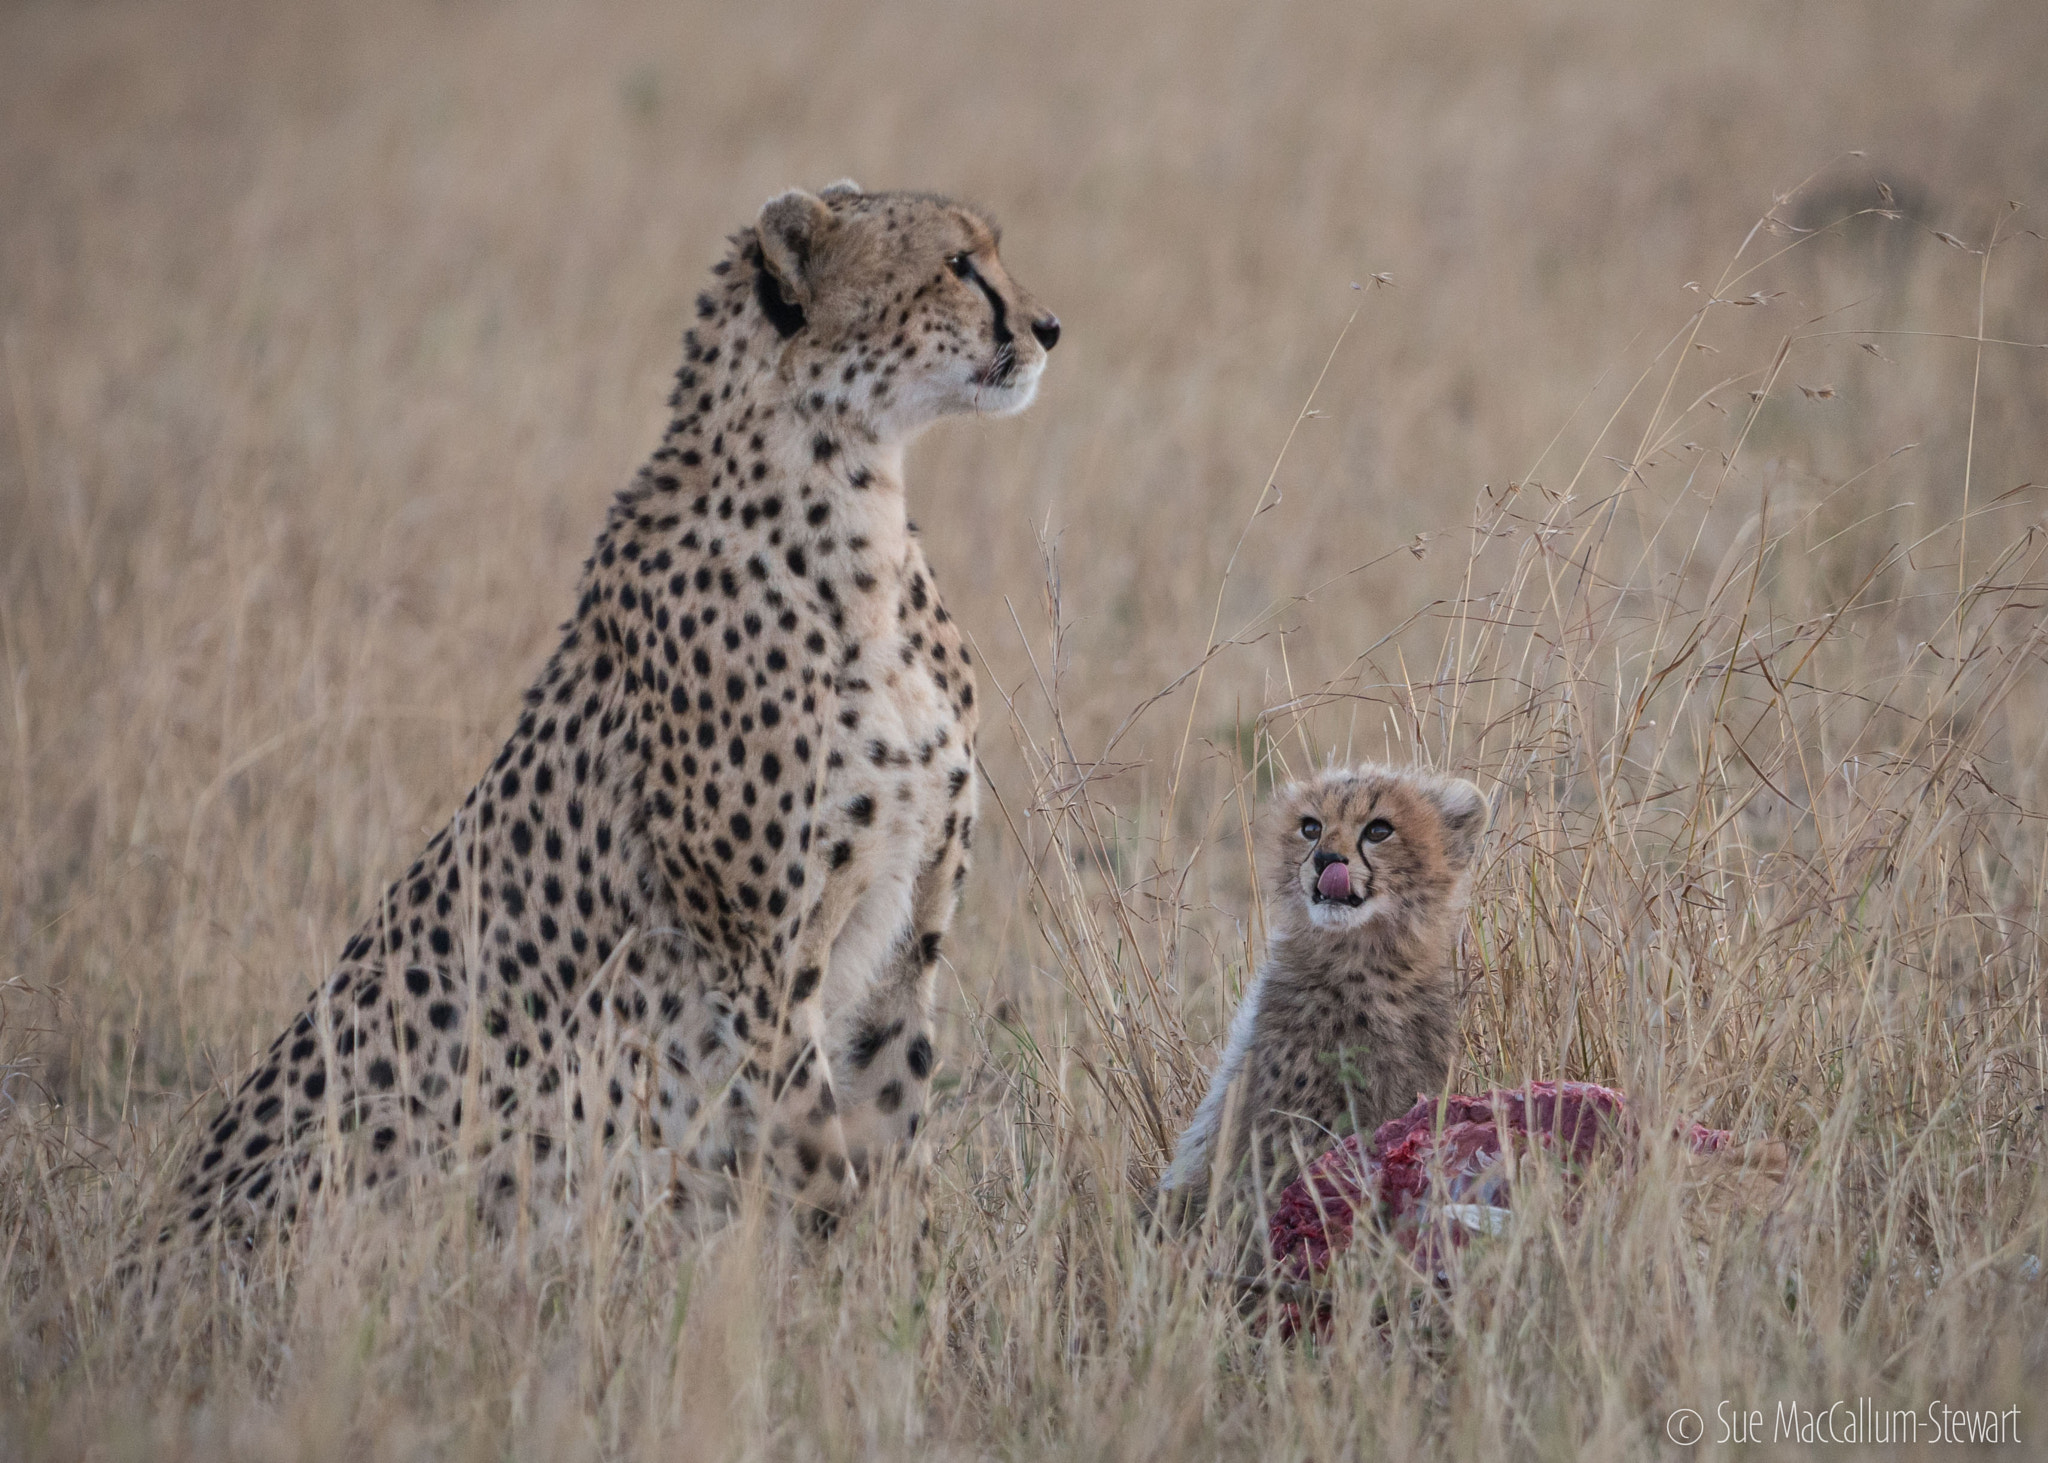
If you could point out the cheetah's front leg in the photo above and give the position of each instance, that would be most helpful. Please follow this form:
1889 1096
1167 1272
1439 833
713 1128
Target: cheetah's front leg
882 1054
805 1149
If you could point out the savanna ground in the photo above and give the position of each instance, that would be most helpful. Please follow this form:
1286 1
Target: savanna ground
1699 518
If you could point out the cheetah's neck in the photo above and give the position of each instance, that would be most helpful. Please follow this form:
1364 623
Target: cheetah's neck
1390 949
754 461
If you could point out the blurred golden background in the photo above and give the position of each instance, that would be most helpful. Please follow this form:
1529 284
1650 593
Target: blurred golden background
327 332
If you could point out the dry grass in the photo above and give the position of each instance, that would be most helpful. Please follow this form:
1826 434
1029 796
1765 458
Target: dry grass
325 337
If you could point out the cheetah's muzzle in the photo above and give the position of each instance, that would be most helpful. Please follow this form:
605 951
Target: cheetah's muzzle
1000 368
1335 883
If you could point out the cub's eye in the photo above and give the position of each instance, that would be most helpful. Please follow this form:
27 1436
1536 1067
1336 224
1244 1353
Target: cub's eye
1379 830
960 264
1311 829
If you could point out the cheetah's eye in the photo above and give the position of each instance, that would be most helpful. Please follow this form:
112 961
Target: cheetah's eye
1379 830
1311 829
960 264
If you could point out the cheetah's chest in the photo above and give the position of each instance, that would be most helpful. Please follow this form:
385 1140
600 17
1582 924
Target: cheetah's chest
899 787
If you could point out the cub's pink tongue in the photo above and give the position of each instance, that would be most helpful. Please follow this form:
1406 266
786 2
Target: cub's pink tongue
1335 882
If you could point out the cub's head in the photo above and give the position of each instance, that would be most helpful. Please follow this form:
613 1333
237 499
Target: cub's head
894 309
1355 844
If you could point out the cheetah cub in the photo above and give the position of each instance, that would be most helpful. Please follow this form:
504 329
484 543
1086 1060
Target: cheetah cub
1366 873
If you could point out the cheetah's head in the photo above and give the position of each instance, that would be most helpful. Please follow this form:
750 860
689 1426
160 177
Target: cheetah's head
895 309
1355 844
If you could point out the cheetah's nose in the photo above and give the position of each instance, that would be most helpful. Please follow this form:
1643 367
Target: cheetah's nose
1047 329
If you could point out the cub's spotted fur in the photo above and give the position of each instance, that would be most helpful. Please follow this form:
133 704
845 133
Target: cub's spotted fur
691 912
1367 874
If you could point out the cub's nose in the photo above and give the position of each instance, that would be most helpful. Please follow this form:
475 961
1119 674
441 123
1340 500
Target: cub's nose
1333 876
1047 329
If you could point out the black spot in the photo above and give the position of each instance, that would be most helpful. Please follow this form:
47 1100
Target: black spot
381 1075
868 1042
919 1056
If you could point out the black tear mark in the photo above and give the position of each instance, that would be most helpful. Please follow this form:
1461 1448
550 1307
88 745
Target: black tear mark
995 301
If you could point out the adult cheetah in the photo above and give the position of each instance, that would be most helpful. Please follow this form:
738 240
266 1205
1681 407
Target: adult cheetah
690 914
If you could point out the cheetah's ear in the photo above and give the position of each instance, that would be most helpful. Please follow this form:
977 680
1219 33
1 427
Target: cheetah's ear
792 227
844 188
1464 809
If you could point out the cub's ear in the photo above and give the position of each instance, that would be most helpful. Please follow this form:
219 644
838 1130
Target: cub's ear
793 227
1464 810
844 188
